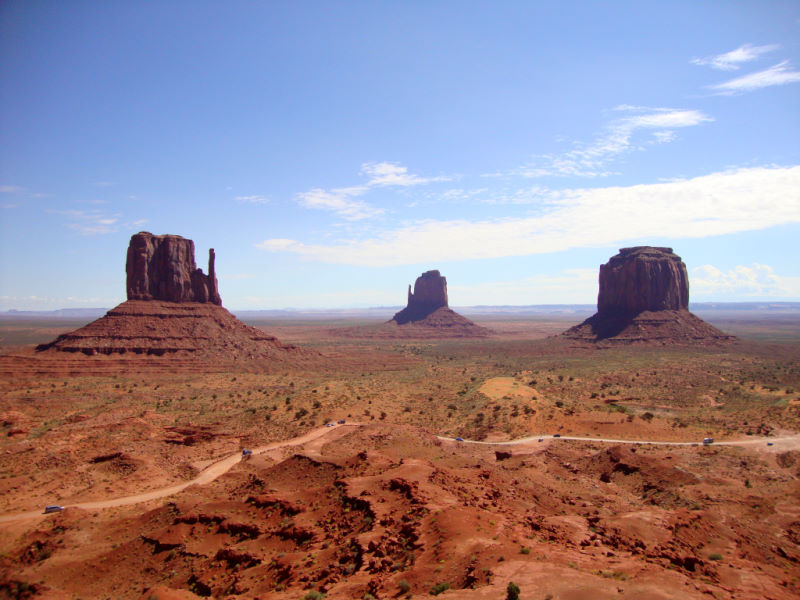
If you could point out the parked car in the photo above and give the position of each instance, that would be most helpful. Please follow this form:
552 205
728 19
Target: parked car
708 441
53 508
769 443
458 439
340 421
246 453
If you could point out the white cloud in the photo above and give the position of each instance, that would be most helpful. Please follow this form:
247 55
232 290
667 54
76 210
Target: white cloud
715 204
780 74
90 222
730 61
95 222
591 160
253 199
346 201
11 189
756 281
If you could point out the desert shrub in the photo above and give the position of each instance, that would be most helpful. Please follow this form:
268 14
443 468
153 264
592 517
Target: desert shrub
512 591
715 556
524 550
648 416
439 588
314 595
403 586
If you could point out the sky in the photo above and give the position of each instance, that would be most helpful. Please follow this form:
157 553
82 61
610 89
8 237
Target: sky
331 152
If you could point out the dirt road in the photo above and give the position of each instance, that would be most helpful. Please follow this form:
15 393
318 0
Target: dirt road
208 475
790 442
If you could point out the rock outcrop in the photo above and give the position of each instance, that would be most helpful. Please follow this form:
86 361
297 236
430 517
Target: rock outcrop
644 297
643 278
173 309
430 293
162 267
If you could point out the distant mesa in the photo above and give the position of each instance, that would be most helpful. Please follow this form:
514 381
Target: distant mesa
428 314
173 308
644 297
430 294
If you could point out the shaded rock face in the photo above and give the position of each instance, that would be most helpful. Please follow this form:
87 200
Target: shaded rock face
644 298
643 278
162 267
430 294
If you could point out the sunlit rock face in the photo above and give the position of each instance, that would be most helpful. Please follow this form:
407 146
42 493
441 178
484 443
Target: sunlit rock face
162 267
643 278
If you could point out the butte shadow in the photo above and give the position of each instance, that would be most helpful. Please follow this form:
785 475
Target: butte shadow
427 315
644 298
173 308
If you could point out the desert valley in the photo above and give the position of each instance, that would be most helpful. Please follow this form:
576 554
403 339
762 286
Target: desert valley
641 453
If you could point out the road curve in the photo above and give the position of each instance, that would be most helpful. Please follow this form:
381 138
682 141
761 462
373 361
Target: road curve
208 475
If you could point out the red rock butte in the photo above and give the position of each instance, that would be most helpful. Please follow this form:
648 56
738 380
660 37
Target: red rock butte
173 308
644 298
427 309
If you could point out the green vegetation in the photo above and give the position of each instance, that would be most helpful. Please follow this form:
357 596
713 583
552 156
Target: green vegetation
512 591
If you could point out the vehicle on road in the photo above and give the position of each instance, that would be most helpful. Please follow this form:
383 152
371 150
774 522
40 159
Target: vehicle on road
458 439
330 424
247 453
340 421
708 441
53 508
556 435
540 439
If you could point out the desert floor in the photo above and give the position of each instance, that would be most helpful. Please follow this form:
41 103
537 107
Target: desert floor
145 453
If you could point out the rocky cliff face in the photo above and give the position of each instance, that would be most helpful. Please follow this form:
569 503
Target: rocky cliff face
644 298
430 293
162 267
643 278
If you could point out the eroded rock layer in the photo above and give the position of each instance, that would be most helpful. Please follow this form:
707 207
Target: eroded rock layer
644 298
430 294
643 278
162 267
154 327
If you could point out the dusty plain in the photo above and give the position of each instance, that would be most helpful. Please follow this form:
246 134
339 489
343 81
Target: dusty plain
384 506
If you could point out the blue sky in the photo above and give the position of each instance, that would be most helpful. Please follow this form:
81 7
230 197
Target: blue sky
332 151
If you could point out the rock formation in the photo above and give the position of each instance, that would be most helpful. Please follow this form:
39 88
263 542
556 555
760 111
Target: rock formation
162 267
644 297
643 278
173 308
430 293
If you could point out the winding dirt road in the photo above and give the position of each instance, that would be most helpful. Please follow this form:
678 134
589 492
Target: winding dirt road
208 475
224 465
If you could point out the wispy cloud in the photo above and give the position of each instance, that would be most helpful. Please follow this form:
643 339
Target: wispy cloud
347 201
254 199
619 137
90 222
757 281
730 61
11 189
780 74
715 204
